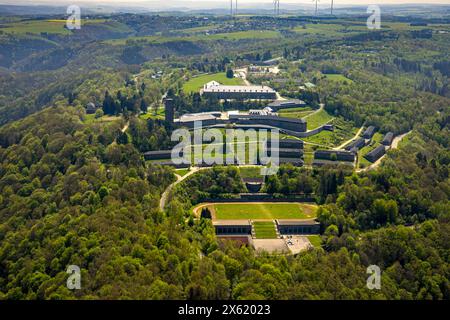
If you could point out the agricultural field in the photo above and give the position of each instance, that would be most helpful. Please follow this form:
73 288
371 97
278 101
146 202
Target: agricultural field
264 230
57 26
196 83
263 211
232 36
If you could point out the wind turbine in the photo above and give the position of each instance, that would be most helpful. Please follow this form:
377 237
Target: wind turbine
235 10
231 7
276 7
316 1
332 3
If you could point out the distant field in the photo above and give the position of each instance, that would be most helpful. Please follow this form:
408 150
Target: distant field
232 36
318 119
37 26
263 211
265 230
195 84
56 26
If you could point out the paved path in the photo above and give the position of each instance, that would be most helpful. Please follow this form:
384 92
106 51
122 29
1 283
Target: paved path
165 195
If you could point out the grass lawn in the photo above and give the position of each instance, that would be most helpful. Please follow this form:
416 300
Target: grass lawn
182 172
343 131
299 114
195 84
90 118
160 114
251 173
318 119
338 77
265 230
269 211
315 240
363 162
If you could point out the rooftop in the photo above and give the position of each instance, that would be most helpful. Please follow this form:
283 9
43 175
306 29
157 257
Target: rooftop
289 222
282 103
214 86
232 223
268 117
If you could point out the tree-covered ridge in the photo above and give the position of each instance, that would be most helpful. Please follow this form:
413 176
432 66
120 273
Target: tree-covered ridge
64 203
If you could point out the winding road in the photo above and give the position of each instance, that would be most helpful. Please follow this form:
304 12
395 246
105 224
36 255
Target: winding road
166 193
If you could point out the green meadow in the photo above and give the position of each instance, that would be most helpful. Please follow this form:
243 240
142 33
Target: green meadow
196 83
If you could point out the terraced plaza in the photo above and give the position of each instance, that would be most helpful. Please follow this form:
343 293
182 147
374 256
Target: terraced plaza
268 225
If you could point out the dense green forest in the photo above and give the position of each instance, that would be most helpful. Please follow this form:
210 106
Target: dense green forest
76 190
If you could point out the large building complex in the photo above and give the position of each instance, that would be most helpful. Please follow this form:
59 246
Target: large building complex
214 89
243 120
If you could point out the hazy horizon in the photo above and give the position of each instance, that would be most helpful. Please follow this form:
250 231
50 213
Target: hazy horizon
214 3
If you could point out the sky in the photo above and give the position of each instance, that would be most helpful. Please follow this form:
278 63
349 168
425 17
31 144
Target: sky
188 3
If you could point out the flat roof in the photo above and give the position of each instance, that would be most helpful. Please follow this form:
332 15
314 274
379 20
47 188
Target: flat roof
268 117
158 152
296 150
280 103
331 162
198 117
286 141
342 152
232 223
242 89
293 222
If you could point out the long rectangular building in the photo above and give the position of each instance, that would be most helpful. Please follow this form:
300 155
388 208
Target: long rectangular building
376 153
334 155
232 227
370 131
216 90
356 144
288 143
388 138
298 227
297 125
